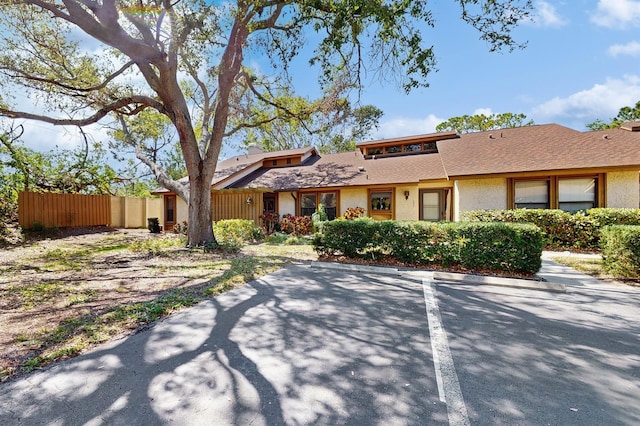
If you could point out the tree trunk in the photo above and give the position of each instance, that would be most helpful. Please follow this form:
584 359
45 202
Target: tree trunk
200 227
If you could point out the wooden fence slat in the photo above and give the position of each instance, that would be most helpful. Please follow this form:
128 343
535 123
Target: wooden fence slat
63 210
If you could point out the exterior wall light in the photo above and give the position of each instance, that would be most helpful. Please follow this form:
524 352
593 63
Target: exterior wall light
249 200
406 195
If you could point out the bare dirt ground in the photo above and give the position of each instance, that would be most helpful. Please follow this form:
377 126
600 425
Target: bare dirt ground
51 288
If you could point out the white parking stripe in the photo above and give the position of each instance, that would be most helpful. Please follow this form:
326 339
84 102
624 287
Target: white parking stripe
448 385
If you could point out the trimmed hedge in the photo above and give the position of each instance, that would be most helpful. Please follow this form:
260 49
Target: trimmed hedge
561 229
477 246
609 216
621 250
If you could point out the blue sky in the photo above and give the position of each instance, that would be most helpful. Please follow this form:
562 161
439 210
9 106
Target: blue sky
581 63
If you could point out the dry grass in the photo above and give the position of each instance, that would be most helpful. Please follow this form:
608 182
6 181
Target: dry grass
61 296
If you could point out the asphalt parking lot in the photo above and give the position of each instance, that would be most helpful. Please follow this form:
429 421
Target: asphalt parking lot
319 346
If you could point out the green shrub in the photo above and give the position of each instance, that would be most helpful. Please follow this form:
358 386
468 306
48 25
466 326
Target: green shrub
560 229
608 216
231 234
500 246
354 238
620 246
277 238
478 246
318 219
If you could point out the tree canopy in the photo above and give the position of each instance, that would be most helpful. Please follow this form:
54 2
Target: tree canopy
82 170
625 114
199 63
333 127
482 122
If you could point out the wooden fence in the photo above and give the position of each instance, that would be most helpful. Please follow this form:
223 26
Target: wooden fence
63 210
50 210
236 205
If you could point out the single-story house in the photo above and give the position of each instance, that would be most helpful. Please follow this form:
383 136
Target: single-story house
434 176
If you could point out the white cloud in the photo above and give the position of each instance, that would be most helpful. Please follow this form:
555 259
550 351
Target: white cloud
546 15
602 101
483 111
631 49
402 126
618 14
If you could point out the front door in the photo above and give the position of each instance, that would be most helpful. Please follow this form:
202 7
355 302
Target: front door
432 205
269 200
169 212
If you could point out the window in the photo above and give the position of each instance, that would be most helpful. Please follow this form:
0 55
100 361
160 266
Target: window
309 202
393 149
570 193
531 194
381 200
330 202
170 208
414 147
374 151
576 194
433 204
431 147
269 201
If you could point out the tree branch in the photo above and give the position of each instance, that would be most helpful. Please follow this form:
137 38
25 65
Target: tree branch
141 102
110 78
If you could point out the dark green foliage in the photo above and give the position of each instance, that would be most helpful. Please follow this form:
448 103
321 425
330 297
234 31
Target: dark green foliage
562 230
476 246
621 250
608 216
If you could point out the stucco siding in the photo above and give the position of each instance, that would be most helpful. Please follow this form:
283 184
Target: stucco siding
182 210
407 209
623 190
479 194
286 204
353 197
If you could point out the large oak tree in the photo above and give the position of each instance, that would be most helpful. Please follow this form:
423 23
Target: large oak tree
87 61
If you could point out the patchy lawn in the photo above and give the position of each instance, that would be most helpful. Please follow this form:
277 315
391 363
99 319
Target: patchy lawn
591 265
61 296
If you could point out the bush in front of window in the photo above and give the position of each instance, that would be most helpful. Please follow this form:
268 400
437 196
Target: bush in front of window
560 229
509 247
610 216
353 213
621 250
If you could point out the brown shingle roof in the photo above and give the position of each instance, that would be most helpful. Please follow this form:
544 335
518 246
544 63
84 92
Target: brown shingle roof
347 169
538 148
548 147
